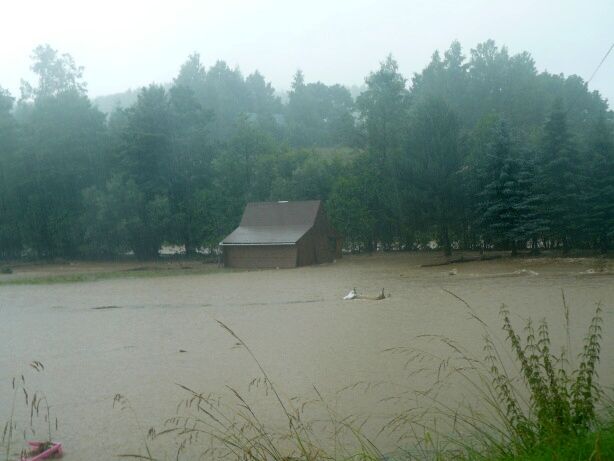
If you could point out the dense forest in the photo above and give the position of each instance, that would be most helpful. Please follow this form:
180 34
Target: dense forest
477 151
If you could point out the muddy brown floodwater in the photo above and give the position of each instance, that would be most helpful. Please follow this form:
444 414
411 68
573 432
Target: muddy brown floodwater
141 336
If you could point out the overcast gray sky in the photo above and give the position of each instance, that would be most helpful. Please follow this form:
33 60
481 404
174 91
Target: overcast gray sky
129 43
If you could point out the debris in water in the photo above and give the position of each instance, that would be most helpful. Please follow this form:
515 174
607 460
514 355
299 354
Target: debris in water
182 350
525 272
379 297
139 268
106 307
351 295
354 295
43 450
453 271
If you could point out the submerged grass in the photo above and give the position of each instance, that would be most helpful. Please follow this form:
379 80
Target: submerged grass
107 275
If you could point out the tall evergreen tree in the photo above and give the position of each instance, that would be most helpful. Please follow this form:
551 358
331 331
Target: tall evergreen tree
599 192
559 178
504 205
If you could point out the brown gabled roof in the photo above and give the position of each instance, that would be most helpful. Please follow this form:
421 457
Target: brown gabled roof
274 223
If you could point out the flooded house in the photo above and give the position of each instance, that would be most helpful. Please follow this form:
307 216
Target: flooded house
281 234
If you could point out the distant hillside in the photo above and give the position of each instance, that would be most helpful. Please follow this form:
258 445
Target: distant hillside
110 102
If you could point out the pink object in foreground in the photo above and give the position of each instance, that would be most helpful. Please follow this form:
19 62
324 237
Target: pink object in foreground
55 450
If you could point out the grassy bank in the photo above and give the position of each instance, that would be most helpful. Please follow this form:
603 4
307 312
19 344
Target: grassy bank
133 273
597 445
408 264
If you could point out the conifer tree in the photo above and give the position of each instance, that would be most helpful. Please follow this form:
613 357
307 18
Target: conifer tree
504 205
559 179
599 192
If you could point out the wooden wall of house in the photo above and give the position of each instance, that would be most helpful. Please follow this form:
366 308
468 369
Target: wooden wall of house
325 239
260 257
306 250
320 244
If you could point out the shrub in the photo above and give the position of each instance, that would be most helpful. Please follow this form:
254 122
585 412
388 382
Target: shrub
562 402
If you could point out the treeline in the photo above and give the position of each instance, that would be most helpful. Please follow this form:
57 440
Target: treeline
477 151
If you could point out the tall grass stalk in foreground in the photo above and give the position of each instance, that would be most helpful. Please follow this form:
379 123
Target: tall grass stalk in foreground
206 427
